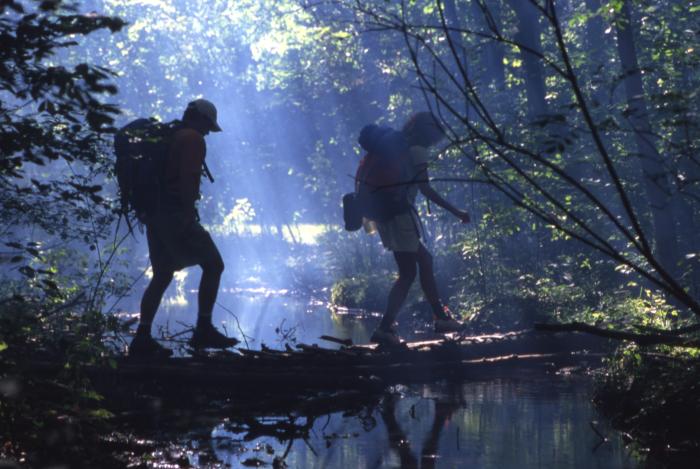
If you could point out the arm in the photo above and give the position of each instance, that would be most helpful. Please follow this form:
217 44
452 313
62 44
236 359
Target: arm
427 190
192 156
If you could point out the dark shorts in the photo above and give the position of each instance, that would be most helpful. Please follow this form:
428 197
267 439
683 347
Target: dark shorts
173 247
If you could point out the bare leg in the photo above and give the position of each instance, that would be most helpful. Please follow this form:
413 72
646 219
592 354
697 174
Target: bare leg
151 299
205 335
209 288
406 262
427 282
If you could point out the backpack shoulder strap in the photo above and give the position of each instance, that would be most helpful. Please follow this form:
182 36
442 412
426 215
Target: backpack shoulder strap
207 172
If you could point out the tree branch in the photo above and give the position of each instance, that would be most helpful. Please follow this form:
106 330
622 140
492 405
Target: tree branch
641 339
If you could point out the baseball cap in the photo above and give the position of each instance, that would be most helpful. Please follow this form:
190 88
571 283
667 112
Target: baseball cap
208 110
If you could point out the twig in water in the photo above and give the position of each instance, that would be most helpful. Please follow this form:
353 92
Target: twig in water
346 342
238 324
286 335
603 438
597 432
311 448
188 330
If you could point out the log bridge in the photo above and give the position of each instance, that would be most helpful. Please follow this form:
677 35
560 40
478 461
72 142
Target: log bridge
361 367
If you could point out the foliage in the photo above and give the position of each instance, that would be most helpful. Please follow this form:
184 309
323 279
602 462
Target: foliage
53 124
52 118
567 164
362 291
651 395
49 409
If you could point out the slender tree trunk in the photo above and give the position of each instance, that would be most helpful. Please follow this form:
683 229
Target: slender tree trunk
493 50
599 54
596 54
686 216
453 21
655 177
529 35
486 14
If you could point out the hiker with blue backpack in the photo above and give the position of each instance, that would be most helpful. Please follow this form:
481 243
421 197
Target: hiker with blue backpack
159 167
387 182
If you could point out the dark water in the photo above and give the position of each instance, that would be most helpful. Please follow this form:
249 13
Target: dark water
508 422
523 419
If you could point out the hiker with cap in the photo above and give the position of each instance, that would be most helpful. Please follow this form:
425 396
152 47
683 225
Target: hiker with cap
176 239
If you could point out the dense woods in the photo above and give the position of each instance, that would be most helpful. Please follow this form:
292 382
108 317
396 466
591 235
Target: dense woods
573 140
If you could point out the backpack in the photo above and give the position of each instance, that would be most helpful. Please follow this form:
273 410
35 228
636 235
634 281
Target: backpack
382 179
142 148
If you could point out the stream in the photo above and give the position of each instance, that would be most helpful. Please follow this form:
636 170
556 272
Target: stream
508 419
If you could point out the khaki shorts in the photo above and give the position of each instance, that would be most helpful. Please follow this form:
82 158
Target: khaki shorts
400 234
172 247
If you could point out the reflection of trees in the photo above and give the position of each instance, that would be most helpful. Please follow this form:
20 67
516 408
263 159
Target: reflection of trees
292 419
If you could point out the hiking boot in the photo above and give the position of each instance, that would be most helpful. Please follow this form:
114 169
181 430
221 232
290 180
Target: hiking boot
443 326
145 346
385 337
209 337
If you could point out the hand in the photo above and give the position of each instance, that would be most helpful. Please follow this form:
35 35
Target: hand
463 216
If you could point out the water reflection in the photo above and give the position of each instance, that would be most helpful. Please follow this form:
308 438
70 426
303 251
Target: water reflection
531 420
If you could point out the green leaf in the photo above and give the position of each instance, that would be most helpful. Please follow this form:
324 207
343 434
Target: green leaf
92 395
101 414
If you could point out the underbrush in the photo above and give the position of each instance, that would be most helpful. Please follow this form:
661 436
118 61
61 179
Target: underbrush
361 291
50 413
651 394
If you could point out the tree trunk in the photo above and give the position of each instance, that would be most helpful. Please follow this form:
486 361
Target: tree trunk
460 57
597 55
529 36
686 216
491 52
655 177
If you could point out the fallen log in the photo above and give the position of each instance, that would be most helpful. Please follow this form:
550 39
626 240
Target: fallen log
366 368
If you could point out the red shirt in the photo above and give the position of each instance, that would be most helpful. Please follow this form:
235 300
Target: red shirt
184 168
